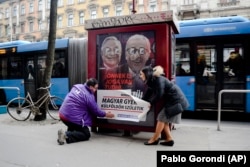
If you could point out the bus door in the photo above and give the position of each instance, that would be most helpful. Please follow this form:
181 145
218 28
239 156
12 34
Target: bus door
233 77
184 77
60 74
205 76
34 72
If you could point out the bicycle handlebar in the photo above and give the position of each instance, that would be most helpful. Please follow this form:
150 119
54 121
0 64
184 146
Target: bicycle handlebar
45 87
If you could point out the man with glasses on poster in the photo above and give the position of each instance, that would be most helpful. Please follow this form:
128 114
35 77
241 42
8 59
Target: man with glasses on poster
137 53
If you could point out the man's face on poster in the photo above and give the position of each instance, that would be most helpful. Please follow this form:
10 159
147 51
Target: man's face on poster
137 52
111 53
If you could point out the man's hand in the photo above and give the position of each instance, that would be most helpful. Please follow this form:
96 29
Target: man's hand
109 115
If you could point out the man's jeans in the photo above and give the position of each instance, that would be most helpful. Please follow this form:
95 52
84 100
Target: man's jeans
76 133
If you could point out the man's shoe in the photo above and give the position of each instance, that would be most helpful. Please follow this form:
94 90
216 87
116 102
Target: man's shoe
61 137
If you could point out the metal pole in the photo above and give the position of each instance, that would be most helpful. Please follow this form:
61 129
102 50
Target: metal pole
133 10
219 101
13 88
219 110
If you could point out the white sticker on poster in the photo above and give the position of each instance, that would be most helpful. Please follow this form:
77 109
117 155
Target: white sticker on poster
123 105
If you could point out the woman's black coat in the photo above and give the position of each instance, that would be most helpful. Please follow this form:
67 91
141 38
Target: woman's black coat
161 88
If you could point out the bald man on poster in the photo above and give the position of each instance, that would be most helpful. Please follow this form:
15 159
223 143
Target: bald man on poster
137 53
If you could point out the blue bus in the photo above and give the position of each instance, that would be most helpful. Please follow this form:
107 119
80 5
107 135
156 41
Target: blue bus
23 64
214 54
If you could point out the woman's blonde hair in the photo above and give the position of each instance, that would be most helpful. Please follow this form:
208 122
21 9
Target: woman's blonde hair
158 71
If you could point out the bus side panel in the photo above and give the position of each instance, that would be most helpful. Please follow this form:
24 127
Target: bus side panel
188 87
60 87
248 95
12 83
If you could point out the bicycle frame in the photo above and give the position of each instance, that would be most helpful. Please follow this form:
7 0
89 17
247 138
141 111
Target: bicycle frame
40 101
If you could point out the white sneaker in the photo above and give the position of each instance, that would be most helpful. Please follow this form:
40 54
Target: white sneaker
61 137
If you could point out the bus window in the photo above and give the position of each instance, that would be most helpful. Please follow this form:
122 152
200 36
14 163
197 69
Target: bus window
206 61
15 67
3 68
59 66
205 74
233 64
182 60
233 74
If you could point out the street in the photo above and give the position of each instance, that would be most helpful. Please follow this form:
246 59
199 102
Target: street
33 144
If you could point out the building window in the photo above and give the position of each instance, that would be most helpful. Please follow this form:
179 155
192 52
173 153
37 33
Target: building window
31 7
70 2
141 9
60 3
81 1
14 11
48 4
10 29
140 2
7 14
93 14
152 8
1 14
228 2
81 18
59 21
130 8
118 11
31 26
70 19
40 5
105 12
188 2
22 9
22 28
14 29
40 24
6 30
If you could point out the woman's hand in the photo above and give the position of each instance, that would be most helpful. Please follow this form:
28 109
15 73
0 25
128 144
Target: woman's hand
149 106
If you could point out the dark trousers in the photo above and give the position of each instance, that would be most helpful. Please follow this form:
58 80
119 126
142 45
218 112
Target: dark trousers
76 133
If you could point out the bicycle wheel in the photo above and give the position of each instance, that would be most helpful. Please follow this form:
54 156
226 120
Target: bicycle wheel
19 109
53 107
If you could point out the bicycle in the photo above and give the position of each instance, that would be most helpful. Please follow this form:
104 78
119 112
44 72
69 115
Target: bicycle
20 108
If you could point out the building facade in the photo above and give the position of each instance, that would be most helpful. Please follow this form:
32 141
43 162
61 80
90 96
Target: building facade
29 19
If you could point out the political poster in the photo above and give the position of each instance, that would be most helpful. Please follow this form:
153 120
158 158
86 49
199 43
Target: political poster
120 58
123 105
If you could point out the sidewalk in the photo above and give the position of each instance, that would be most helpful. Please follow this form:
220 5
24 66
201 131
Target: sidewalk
33 144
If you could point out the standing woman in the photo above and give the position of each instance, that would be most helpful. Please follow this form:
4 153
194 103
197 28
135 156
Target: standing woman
160 88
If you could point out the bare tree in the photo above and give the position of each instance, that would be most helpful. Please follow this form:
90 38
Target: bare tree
50 57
